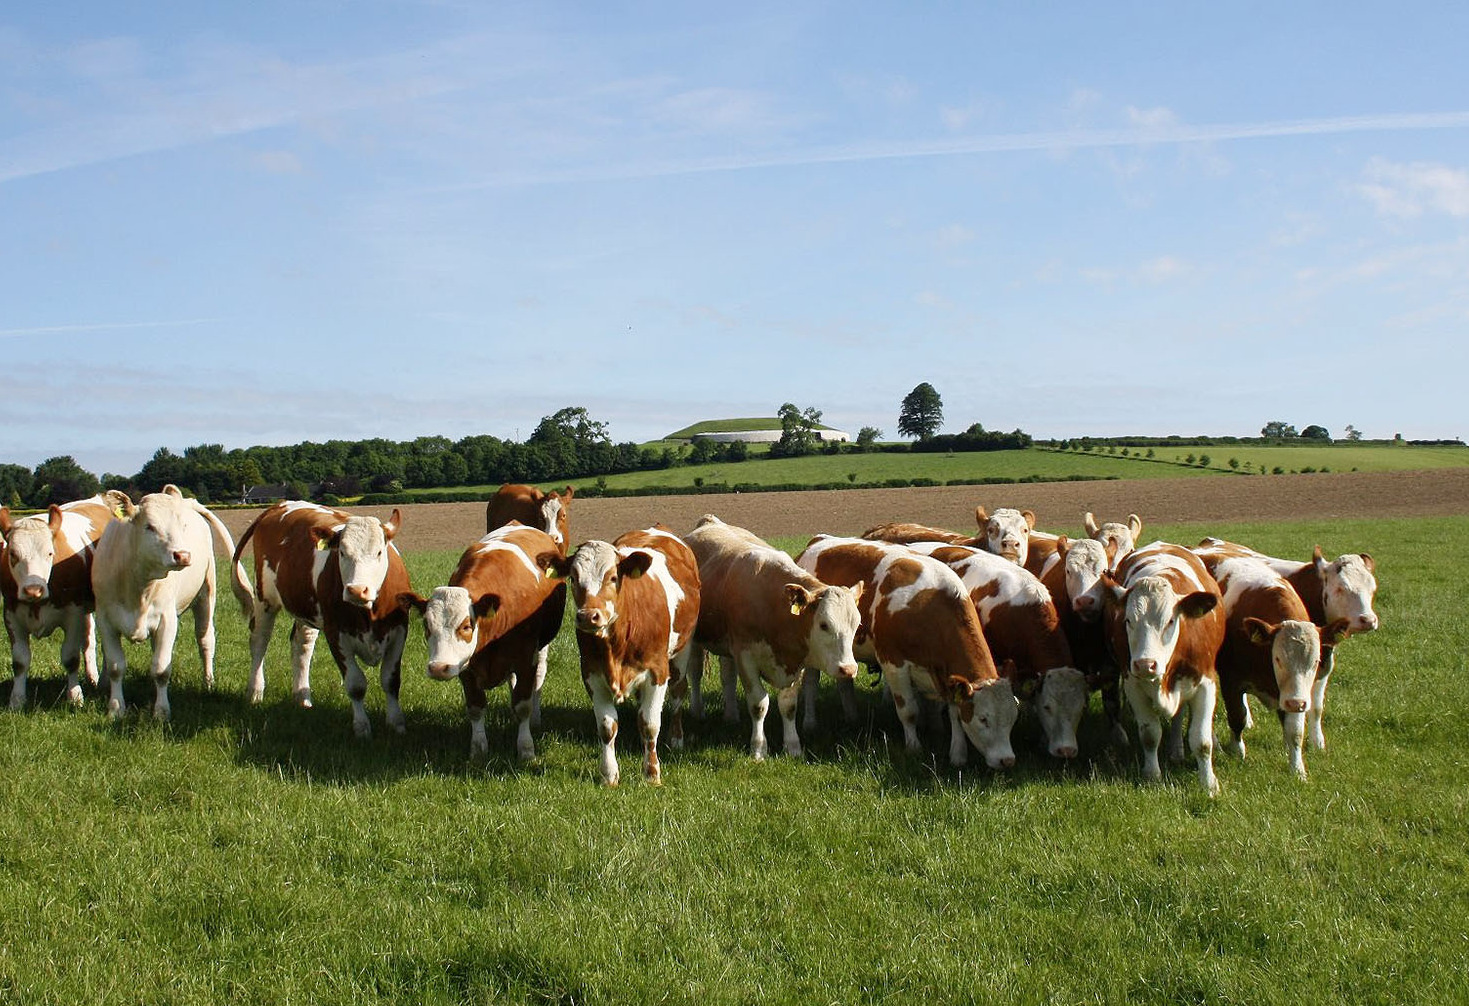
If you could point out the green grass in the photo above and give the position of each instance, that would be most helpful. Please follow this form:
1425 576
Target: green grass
730 426
262 855
1337 457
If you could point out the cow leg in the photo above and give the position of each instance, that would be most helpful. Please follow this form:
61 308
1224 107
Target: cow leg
72 645
114 658
786 701
650 716
262 624
756 698
1318 701
1149 731
958 743
390 676
303 645
204 625
906 703
474 706
1112 709
1175 736
694 672
847 689
1201 733
678 690
542 656
727 674
1293 726
604 711
809 689
89 648
522 692
20 661
1237 711
355 682
1249 713
163 639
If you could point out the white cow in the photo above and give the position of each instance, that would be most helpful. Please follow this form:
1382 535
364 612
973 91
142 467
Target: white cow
150 564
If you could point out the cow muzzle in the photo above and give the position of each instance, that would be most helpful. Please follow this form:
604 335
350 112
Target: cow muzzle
442 672
1294 705
358 594
593 620
1145 668
1364 623
182 557
35 592
847 671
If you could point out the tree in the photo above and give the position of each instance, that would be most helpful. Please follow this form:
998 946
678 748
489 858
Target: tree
60 480
1353 433
797 432
1314 432
15 485
1278 430
867 436
922 413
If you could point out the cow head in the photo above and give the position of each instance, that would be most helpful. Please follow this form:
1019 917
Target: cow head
163 525
1153 614
361 548
1348 584
1117 539
831 618
1295 652
987 713
30 549
451 623
1060 704
1006 532
553 508
1086 561
596 573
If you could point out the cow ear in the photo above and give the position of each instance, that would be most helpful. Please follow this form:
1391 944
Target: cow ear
799 597
121 503
172 490
860 637
1007 669
980 516
634 565
409 600
962 688
1259 631
53 517
5 522
554 565
1336 632
857 589
486 606
325 537
1112 585
1029 687
1029 519
1198 604
1089 521
1367 561
1063 545
1318 560
570 492
391 525
1135 525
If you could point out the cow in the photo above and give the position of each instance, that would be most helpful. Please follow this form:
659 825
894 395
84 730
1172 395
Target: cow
1073 577
46 581
768 620
151 563
1333 591
1165 625
550 513
923 631
899 533
637 601
1118 539
1271 649
487 625
1011 534
1022 627
335 573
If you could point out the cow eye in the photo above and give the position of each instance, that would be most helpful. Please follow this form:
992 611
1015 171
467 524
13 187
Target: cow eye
825 626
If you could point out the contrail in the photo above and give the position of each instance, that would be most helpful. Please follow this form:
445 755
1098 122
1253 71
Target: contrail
102 327
1075 139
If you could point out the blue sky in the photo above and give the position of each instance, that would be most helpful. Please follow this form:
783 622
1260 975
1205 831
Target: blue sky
265 223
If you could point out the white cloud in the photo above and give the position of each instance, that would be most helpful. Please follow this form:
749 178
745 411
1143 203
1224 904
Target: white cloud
1410 190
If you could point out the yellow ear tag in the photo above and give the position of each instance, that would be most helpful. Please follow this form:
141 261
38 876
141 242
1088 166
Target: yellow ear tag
321 544
121 515
795 609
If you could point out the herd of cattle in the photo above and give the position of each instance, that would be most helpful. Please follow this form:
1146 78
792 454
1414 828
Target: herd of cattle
977 624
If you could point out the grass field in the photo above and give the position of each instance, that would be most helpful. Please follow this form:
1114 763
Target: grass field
261 855
1034 462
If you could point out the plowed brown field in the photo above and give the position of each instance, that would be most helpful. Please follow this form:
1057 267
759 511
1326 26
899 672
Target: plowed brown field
1058 505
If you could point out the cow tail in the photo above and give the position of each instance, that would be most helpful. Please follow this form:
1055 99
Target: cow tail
240 580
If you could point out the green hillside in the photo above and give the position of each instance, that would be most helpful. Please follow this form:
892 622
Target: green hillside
731 426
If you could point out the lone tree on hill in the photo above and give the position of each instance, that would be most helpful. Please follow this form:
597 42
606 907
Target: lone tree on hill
1314 432
922 413
797 432
1278 430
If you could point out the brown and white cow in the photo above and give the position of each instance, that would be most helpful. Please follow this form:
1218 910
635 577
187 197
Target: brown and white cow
1073 577
1335 592
768 620
1117 538
1011 534
902 533
549 512
486 626
46 581
637 601
336 573
1022 626
1165 624
923 631
151 563
1271 649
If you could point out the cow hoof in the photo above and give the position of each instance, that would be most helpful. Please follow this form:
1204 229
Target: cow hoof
526 754
731 718
479 752
255 696
115 710
303 698
17 701
655 780
675 743
611 783
74 696
398 723
161 714
362 729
